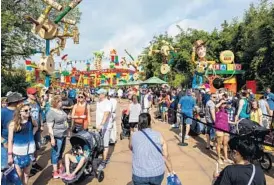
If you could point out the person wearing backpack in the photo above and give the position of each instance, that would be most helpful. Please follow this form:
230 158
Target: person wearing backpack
244 108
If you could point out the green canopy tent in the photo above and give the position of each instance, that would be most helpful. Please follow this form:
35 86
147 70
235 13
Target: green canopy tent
138 82
154 80
104 85
121 84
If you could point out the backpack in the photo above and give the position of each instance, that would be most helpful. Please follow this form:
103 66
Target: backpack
248 107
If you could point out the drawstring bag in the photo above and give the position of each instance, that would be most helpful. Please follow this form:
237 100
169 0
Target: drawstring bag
10 176
172 179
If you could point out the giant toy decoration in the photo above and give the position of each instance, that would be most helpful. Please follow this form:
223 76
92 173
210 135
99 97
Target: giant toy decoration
136 64
47 29
168 53
98 59
201 65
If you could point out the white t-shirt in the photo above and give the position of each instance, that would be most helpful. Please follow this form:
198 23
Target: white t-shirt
146 102
114 105
101 108
120 92
134 112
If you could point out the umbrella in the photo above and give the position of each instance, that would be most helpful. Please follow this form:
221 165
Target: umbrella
154 80
121 84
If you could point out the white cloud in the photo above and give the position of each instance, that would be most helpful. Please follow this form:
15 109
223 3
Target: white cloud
124 24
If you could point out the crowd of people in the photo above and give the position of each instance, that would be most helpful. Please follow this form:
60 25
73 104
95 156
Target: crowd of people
64 111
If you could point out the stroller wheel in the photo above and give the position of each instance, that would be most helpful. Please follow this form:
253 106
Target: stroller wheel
266 162
121 136
100 176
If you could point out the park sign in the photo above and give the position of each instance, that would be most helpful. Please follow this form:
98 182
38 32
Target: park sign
227 57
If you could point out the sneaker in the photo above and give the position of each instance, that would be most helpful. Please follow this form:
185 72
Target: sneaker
63 176
180 134
186 137
56 175
70 177
228 161
102 166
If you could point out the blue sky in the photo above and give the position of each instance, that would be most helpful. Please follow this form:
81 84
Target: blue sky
131 24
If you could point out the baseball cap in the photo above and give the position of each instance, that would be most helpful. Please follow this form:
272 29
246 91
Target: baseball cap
102 91
31 90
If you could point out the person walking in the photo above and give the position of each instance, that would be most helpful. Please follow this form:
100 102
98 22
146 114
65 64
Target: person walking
210 115
113 135
149 154
103 123
134 111
186 105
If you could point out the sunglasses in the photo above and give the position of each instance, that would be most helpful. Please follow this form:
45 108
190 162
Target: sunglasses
80 96
26 110
214 97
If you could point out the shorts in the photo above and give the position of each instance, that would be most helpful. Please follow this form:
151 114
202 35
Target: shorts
221 134
209 129
188 121
164 109
22 161
106 137
37 139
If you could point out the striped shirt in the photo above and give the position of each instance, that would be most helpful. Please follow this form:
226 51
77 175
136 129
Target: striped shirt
23 141
147 161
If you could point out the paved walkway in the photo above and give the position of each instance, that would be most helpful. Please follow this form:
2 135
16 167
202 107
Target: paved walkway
193 164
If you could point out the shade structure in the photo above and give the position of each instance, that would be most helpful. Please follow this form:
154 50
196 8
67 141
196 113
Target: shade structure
154 80
104 85
121 84
134 82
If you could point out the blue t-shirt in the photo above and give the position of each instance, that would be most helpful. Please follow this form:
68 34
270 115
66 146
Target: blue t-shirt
6 117
187 104
270 100
72 94
35 112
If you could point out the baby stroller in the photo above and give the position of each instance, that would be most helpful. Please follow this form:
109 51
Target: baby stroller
251 130
95 143
125 125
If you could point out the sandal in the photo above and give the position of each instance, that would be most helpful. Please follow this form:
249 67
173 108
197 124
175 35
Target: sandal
70 177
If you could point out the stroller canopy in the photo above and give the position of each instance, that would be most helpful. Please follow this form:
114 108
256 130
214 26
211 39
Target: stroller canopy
84 138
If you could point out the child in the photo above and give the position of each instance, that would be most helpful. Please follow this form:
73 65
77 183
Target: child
79 156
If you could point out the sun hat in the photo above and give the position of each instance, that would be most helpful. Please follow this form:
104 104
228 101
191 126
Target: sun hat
15 97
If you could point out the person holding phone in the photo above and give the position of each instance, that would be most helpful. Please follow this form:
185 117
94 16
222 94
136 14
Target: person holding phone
57 127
